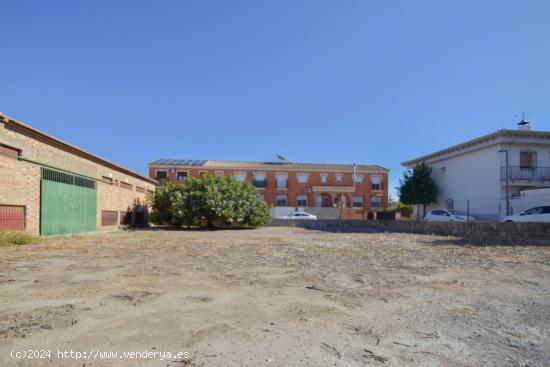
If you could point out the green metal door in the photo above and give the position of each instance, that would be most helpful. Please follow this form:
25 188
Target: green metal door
67 203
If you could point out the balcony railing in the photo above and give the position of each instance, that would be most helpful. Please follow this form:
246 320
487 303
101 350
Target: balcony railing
527 174
260 183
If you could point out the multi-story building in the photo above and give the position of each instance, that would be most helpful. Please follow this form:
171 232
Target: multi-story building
287 184
489 176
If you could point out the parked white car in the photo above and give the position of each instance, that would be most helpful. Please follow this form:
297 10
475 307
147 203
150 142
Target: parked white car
537 214
448 215
299 215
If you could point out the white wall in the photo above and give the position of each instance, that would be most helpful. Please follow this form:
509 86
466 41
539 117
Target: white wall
473 176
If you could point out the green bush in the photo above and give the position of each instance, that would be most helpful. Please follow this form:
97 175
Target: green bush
405 210
16 238
209 201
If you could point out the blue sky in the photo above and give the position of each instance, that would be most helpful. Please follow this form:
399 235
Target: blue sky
319 81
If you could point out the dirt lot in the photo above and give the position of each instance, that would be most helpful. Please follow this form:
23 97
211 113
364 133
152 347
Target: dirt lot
275 297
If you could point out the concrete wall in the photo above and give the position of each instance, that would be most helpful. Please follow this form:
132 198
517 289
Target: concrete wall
503 233
20 180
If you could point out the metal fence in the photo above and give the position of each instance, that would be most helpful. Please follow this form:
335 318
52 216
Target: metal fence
492 208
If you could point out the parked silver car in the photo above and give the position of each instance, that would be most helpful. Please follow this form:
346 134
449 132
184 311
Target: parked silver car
299 215
448 215
537 214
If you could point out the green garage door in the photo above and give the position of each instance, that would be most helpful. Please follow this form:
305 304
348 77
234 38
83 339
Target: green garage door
67 203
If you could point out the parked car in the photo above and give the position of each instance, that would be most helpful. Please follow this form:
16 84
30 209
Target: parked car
537 214
448 215
299 215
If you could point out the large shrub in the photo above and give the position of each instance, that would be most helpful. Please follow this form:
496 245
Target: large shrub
209 201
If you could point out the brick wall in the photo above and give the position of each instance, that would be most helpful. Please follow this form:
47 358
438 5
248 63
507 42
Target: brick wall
20 180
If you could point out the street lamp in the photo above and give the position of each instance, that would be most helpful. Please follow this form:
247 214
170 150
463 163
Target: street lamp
507 182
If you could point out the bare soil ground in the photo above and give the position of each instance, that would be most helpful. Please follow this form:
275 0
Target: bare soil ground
276 297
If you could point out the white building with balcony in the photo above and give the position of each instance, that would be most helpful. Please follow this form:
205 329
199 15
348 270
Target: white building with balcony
488 176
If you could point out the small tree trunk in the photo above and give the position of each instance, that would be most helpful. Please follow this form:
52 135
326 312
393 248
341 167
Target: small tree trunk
423 211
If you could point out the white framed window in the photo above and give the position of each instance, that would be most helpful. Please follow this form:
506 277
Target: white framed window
218 173
376 202
240 176
281 180
358 179
301 200
302 177
376 181
357 202
182 176
262 197
442 171
259 176
281 200
339 178
324 178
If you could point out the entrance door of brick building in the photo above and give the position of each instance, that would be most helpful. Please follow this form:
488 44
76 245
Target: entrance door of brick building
68 203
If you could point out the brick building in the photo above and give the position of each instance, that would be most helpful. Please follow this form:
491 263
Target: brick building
291 184
50 187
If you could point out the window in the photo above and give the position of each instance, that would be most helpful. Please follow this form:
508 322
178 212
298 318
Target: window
301 200
240 176
12 218
182 176
357 202
339 178
259 179
126 186
9 151
449 204
534 211
302 177
441 212
376 182
528 159
107 180
262 197
162 176
358 179
140 189
202 172
281 180
376 202
219 173
281 200
442 171
324 178
109 218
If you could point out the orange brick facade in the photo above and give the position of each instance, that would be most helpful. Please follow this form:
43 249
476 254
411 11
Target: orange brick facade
20 176
314 190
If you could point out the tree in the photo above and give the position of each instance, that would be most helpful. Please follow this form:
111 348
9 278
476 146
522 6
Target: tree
418 187
209 201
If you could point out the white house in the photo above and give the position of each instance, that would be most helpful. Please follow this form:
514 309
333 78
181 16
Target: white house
472 176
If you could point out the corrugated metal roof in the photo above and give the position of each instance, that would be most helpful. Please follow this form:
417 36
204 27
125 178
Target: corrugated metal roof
269 165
